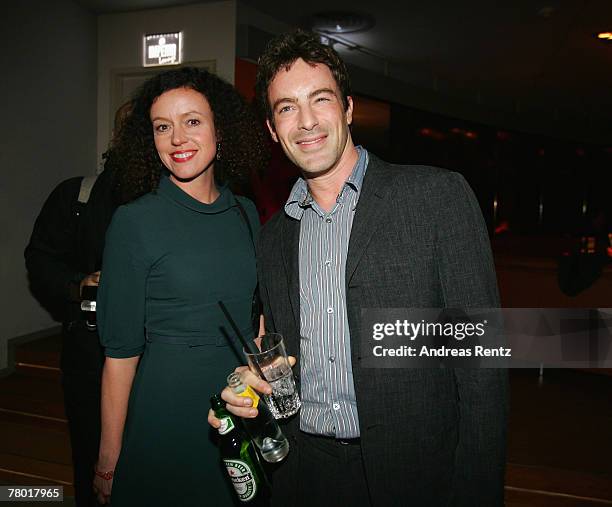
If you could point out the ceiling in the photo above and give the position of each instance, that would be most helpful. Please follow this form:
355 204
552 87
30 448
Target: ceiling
108 6
540 55
526 51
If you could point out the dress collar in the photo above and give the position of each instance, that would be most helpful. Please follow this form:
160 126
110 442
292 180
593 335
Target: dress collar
222 203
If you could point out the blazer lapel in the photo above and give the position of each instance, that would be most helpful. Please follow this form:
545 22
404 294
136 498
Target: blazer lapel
290 246
370 206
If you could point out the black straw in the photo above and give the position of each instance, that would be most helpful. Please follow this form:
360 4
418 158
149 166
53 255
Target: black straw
250 348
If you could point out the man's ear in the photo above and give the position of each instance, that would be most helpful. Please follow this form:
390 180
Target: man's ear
349 110
272 131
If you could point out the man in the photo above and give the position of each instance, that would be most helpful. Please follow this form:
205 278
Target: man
63 260
357 233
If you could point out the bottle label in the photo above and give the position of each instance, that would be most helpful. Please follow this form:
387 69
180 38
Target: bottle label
249 392
227 425
242 478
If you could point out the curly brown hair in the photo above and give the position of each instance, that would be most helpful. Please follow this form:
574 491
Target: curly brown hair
282 51
244 148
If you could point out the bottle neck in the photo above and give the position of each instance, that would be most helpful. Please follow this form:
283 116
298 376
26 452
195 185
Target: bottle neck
238 388
235 383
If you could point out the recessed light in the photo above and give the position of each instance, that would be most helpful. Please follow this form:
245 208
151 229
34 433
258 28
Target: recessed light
339 22
604 35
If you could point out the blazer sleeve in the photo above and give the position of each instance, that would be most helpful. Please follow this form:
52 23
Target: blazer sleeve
467 278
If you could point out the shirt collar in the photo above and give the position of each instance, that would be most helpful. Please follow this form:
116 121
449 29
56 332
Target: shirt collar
300 197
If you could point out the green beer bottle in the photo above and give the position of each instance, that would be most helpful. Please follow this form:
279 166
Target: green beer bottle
239 457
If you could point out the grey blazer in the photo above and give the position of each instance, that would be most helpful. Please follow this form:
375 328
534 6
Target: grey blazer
429 437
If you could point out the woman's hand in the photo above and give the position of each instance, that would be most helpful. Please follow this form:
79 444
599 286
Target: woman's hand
103 486
117 379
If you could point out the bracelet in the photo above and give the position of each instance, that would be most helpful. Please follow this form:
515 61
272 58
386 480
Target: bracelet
107 476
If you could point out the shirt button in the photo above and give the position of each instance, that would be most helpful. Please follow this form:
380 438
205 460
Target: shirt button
330 310
328 220
332 359
336 405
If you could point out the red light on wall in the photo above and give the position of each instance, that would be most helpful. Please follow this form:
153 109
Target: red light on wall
541 152
580 152
434 134
502 227
469 134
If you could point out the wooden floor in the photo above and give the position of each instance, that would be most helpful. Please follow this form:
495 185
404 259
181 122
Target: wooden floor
34 443
559 445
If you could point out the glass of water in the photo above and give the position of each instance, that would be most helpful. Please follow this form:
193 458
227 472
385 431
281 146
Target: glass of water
274 364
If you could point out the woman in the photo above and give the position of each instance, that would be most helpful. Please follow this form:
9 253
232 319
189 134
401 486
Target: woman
180 245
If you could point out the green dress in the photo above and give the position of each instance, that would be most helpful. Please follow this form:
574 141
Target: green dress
168 260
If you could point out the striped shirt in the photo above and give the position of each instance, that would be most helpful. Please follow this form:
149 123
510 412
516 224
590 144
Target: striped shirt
329 406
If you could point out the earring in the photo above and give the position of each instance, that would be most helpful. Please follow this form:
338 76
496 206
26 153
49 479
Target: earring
218 151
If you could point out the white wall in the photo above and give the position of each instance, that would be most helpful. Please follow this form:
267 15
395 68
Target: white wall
209 33
48 91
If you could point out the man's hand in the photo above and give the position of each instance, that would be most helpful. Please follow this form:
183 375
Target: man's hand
240 405
91 280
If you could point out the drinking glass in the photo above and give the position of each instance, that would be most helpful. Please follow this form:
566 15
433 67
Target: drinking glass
274 365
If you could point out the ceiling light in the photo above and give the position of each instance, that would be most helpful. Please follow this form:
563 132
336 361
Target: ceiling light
338 22
604 35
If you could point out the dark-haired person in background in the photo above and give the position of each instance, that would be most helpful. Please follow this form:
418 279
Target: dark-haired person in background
63 256
179 244
357 232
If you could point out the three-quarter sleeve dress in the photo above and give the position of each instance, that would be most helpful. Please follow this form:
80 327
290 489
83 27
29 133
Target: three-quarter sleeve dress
168 260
